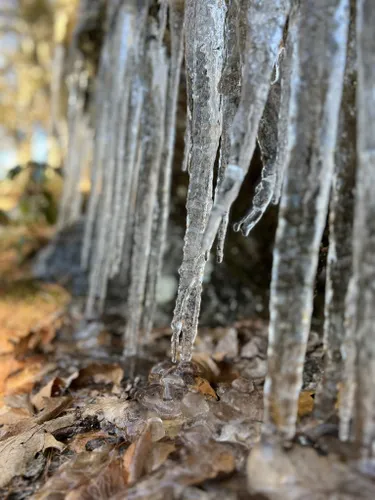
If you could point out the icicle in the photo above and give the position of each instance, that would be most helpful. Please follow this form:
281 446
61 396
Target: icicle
229 88
315 102
103 132
130 29
349 350
364 230
204 45
78 82
268 140
176 20
128 181
152 147
339 262
266 21
101 125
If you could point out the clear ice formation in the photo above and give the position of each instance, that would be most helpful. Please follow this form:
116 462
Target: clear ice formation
273 71
314 108
364 231
339 260
204 50
265 24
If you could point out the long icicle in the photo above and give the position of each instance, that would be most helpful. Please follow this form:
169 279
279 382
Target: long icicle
176 22
103 136
101 125
230 89
339 262
204 45
266 22
315 102
132 102
364 231
152 147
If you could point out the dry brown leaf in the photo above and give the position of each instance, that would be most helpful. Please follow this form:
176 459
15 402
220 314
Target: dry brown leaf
8 365
19 446
103 486
78 444
28 314
97 474
305 403
203 387
51 389
136 455
99 373
23 380
18 451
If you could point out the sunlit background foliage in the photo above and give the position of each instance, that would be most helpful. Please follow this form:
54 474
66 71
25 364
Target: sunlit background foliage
34 38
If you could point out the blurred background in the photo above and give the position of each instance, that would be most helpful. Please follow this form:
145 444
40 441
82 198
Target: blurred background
34 36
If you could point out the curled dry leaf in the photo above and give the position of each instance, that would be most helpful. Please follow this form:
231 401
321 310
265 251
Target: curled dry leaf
89 475
21 442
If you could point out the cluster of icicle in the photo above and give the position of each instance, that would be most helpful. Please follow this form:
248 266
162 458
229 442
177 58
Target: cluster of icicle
298 77
134 113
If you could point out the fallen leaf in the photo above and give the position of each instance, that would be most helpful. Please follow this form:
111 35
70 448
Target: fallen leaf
28 314
305 403
203 387
135 457
52 389
99 373
78 444
103 486
24 440
97 474
24 379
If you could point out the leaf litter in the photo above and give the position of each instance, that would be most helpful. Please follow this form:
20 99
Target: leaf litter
83 426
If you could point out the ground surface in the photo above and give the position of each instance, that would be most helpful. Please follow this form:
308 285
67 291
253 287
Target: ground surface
77 421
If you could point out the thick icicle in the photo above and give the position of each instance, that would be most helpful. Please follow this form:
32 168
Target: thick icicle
204 45
103 204
101 125
229 88
266 22
176 21
122 251
268 141
339 262
314 106
364 230
130 28
152 147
